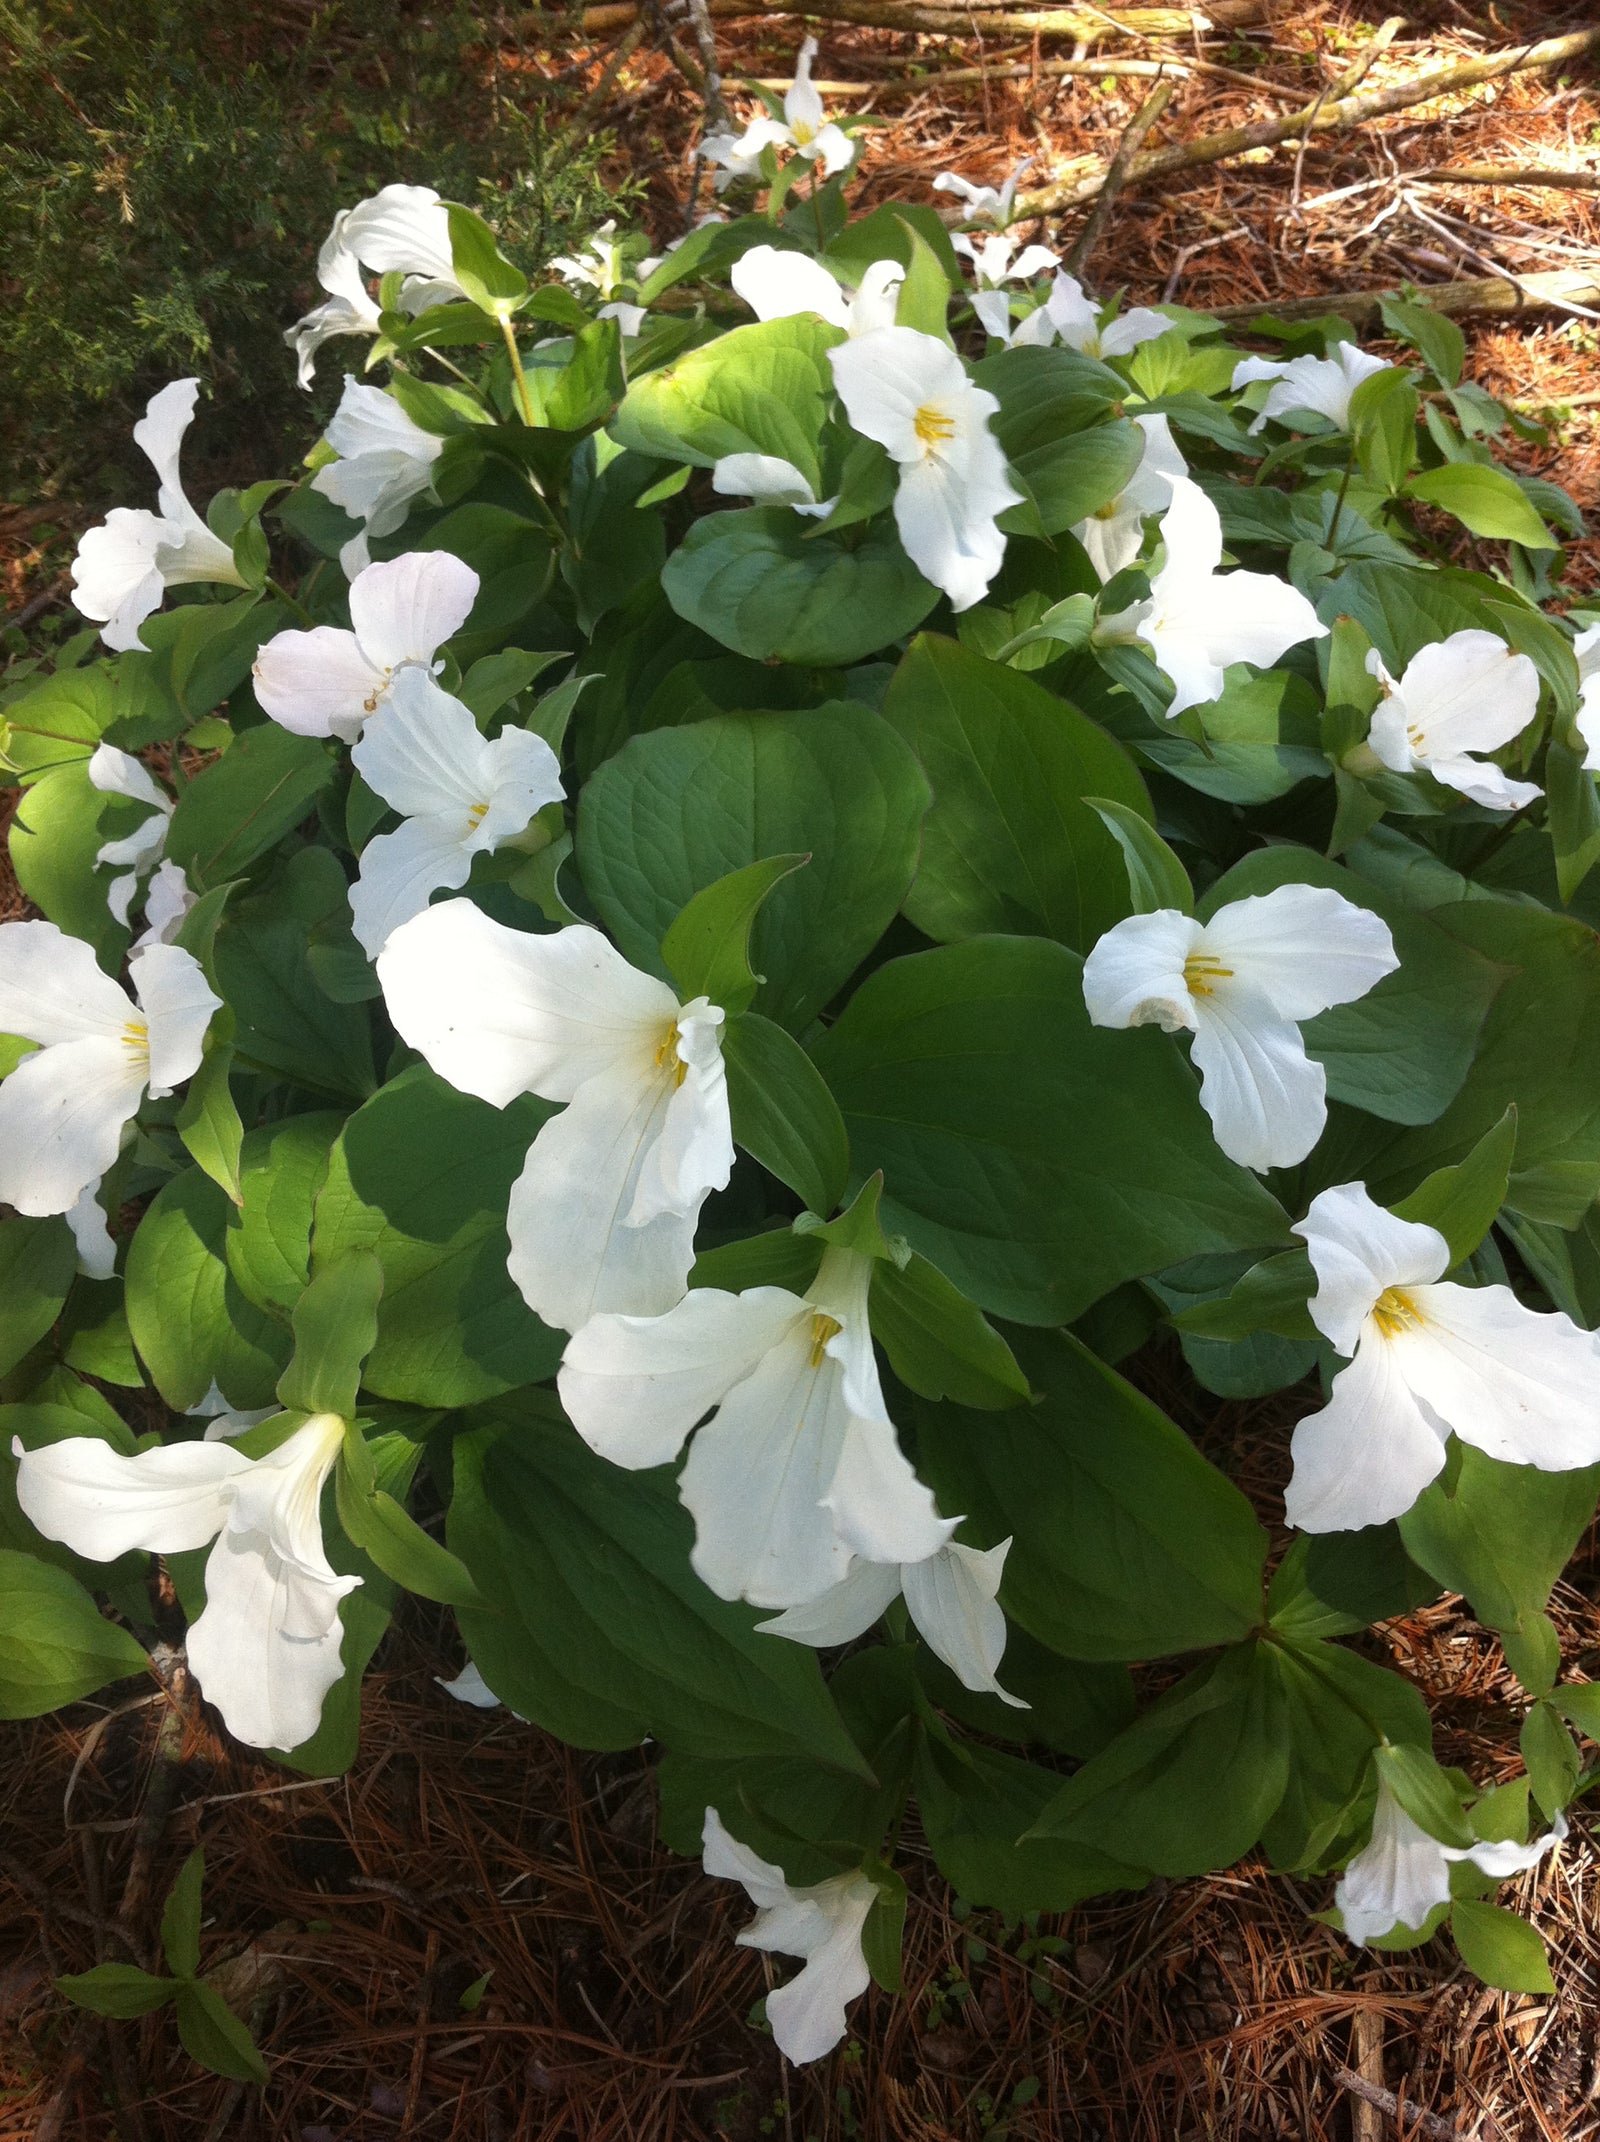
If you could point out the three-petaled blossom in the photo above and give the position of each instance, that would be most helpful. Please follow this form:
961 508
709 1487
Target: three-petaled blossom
124 567
330 681
1468 693
993 267
1586 647
911 393
604 1212
1197 621
400 230
1322 385
952 1596
1427 1358
119 773
384 462
1240 984
599 266
265 1650
1070 313
63 1108
985 204
804 127
797 1469
776 285
1401 1874
459 792
1113 535
822 1923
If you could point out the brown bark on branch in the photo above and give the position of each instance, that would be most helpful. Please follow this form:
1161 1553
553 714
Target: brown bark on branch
1085 26
1486 294
1503 175
1116 175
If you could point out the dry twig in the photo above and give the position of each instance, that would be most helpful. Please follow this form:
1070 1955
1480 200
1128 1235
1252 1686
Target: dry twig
1117 174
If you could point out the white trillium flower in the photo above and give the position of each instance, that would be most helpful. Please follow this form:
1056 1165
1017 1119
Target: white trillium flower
1240 984
993 267
770 481
1197 621
599 266
1465 694
124 567
403 229
1114 535
460 793
167 899
604 1213
385 461
804 127
798 1468
822 1923
952 1596
63 1108
1428 1358
1323 385
119 773
1402 1874
777 284
91 1234
985 204
1587 649
1072 315
911 393
330 682
265 1650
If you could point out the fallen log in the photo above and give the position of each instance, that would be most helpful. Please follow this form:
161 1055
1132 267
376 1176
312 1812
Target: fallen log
1079 25
1475 294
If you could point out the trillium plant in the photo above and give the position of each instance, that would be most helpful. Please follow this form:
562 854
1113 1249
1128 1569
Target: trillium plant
655 985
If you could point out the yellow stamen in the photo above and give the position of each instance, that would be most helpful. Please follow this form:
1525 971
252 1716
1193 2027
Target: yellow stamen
803 134
478 813
932 426
823 1328
1201 970
136 1038
1394 1312
667 1052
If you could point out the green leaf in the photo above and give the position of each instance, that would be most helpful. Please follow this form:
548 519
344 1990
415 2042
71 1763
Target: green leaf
604 1633
382 1528
190 1321
1336 1705
1037 1160
1424 1791
938 1343
1500 1948
1533 1652
494 680
282 1167
240 805
1070 479
886 233
335 1329
1441 343
479 266
765 583
1127 1544
783 1114
1580 1702
1270 1297
37 1262
286 1025
677 809
707 948
1485 500
884 1930
208 1119
56 722
213 2035
1462 1201
1552 1758
180 1917
60 826
1011 843
1336 1583
1383 428
58 1645
116 1989
1501 1534
1573 816
1156 878
858 1228
421 1176
924 299
757 390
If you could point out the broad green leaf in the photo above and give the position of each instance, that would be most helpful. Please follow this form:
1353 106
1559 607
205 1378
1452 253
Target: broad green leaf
208 1117
282 1167
62 822
1271 1297
479 266
335 1326
1010 843
1552 1758
938 1343
116 1989
1070 479
1037 1160
1573 815
1441 343
58 1645
1500 1948
1501 1534
1336 1583
180 1917
496 679
1485 500
1044 395
1156 878
286 1024
1336 1706
37 1262
1461 1202
886 233
924 298
190 1321
884 1931
57 722
756 390
677 809
783 1114
1579 1701
511 554
707 947
975 1804
213 2035
1127 1544
421 1176
384 1529
1533 1652
240 805
1383 428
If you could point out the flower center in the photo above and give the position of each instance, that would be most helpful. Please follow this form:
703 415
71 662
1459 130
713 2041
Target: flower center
823 1328
369 705
478 813
1416 738
932 426
1394 1312
136 1039
668 1055
803 135
1202 971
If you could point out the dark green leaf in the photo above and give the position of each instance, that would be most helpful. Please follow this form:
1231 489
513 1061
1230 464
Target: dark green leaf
116 1989
213 2035
783 1114
1462 1201
706 949
938 1343
180 1917
37 1263
266 781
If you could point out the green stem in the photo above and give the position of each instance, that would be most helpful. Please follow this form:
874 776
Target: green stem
1338 504
524 397
289 601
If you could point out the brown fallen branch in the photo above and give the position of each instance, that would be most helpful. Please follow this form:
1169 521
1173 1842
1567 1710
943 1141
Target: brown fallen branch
1485 294
1317 117
1433 2126
1116 175
1504 175
1088 26
1175 69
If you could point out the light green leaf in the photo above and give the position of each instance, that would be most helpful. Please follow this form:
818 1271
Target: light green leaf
1500 1948
116 1989
757 390
479 266
335 1329
707 947
1552 1758
783 1114
1156 878
1502 1534
208 1119
938 1343
58 1647
1383 427
1462 1201
382 1528
282 1167
190 1321
1484 500
62 821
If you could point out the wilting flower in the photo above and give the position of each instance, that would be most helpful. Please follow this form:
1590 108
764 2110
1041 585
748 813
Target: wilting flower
1068 312
385 461
125 566
401 229
1402 1874
770 481
1197 621
823 1924
797 1468
911 393
1114 535
119 773
985 204
63 1108
265 1650
1587 649
1429 1358
329 682
604 1213
993 268
460 793
776 285
1323 385
1468 693
952 1596
1240 984
804 127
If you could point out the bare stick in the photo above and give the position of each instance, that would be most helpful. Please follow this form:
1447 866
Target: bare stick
594 103
1071 24
1502 175
1431 2125
1342 86
1489 294
1117 174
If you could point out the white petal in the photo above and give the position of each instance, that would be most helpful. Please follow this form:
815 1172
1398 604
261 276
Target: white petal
1470 692
1357 1249
993 308
802 103
178 1004
1521 1385
400 872
499 1012
776 284
862 1596
376 488
119 773
953 1599
634 1387
875 303
52 988
1153 484
405 609
1587 649
1267 1099
139 850
831 147
1503 1856
317 683
116 579
159 436
1039 260
1134 974
765 477
885 378
401 228
693 1152
325 323
1242 617
119 893
946 509
97 1253
1073 316
100 1504
808 2015
167 900
1483 783
727 1860
61 1115
982 200
1397 1878
421 751
1303 947
469 1686
1368 1454
266 1649
1119 337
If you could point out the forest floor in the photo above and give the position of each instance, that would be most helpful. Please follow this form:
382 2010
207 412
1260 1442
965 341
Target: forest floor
355 1914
